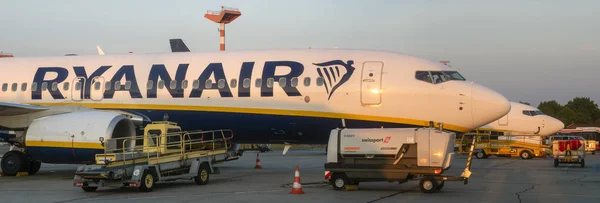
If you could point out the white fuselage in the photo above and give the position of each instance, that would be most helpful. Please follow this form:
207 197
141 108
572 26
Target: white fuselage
525 120
310 93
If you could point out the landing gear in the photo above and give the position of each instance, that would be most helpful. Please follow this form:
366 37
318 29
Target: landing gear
14 162
34 167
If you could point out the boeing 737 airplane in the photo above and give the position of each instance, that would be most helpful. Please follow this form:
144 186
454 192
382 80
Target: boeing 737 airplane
524 120
60 107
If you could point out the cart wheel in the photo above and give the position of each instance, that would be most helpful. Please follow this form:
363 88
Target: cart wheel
525 154
582 163
480 155
89 189
428 184
147 182
203 174
338 181
555 162
441 185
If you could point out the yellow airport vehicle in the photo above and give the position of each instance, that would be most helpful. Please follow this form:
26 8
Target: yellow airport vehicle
164 153
486 145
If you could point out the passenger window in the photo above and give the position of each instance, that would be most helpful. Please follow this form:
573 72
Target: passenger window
294 82
196 84
208 84
118 85
44 86
150 84
307 81
161 84
320 81
233 83
107 85
14 87
247 83
4 87
423 76
221 83
270 82
97 85
258 82
282 82
34 86
173 84
54 86
184 84
24 87
77 86
65 86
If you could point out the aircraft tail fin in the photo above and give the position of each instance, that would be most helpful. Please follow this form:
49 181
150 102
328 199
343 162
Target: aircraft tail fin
177 45
100 52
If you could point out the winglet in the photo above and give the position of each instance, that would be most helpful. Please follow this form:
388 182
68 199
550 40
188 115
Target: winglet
100 52
177 45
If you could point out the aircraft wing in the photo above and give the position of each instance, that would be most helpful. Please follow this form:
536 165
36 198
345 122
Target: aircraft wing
13 109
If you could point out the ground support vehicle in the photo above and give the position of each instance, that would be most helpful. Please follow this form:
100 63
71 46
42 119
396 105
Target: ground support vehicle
162 154
571 151
391 154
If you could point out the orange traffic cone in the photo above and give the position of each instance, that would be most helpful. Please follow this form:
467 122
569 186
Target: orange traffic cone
297 188
258 166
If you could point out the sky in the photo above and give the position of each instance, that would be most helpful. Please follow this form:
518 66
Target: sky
527 50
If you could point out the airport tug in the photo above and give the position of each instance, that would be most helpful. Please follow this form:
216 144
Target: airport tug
392 154
164 153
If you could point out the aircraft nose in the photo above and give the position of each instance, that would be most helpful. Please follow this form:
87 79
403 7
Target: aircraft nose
553 125
488 105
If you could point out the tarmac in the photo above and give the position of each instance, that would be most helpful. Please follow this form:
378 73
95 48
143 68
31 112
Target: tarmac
494 180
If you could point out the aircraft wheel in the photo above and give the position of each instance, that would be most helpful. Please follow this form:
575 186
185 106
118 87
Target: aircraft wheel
14 162
338 181
203 174
428 184
34 167
148 182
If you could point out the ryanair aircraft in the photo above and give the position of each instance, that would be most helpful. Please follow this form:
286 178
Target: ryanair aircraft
59 107
524 120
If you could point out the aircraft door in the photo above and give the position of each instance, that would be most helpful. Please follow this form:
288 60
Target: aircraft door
97 89
503 121
370 93
77 89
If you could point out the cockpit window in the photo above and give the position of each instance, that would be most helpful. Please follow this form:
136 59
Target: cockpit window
533 113
423 76
437 77
453 75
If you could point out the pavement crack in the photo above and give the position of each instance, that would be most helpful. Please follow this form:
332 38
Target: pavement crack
524 191
384 197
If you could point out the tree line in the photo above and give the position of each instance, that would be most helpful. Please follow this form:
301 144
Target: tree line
580 110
